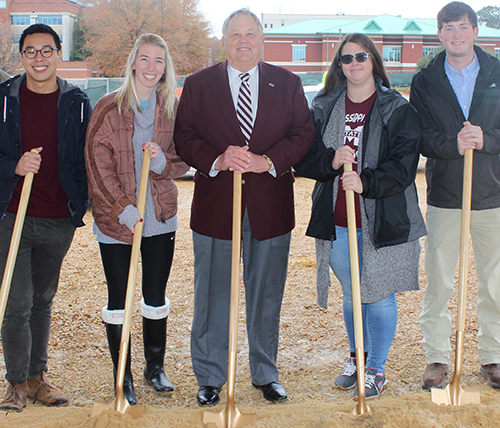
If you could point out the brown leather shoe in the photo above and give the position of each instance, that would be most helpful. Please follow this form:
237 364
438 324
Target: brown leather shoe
42 390
492 374
15 399
434 376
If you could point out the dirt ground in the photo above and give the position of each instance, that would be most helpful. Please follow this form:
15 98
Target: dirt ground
313 347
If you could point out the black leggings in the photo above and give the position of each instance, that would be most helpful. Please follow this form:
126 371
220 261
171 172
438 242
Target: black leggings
157 253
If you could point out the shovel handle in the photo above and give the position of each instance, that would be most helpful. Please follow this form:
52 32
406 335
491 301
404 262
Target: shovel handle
357 308
235 288
132 279
14 242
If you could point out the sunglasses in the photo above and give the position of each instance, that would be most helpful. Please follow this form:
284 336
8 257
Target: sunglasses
360 57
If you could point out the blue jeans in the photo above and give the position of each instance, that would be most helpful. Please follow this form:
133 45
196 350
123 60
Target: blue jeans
379 318
26 325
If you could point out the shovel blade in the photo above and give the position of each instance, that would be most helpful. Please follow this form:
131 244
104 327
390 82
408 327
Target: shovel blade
454 396
229 417
135 411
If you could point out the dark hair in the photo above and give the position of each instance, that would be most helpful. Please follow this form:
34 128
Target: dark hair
39 29
336 77
455 11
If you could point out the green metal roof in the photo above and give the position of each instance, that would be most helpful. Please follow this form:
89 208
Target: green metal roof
381 24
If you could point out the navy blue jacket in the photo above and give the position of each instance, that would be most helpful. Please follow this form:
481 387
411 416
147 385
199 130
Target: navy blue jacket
73 114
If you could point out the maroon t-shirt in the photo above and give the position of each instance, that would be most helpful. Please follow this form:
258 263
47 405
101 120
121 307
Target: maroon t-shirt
355 117
39 129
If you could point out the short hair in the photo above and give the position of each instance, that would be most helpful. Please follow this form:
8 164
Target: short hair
242 11
39 29
336 77
166 86
455 11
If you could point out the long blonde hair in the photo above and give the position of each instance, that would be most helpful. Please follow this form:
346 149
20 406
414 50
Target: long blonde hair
166 85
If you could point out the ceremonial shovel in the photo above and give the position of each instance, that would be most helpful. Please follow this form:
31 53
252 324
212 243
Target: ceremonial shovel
453 394
14 247
121 404
357 308
230 417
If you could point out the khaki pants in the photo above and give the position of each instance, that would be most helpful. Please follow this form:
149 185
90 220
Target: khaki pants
441 258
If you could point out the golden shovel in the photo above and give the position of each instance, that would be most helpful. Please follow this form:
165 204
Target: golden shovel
14 247
357 308
230 416
121 404
453 394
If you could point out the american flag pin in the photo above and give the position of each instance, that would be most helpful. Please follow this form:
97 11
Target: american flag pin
271 84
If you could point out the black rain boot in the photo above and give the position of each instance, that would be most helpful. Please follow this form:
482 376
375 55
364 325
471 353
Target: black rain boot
155 336
114 333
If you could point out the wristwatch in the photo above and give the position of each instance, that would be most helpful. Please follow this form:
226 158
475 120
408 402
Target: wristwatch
269 161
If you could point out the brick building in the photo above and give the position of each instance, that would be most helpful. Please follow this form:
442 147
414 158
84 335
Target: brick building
309 46
61 15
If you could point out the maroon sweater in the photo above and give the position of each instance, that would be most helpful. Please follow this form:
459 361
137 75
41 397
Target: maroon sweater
39 129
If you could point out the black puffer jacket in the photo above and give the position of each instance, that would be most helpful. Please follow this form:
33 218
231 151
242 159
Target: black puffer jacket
442 119
391 139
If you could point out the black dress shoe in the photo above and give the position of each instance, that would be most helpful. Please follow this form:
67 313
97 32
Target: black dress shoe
208 395
272 391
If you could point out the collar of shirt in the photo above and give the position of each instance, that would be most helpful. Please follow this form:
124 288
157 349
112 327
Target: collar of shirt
235 82
463 82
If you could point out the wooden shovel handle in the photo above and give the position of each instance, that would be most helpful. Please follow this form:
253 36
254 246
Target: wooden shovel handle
132 280
14 242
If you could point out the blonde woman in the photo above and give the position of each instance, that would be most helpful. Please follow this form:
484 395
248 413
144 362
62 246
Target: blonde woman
138 116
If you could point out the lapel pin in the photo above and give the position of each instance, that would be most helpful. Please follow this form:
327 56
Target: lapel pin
271 85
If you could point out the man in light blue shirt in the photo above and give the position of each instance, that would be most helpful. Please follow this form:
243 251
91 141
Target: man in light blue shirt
458 99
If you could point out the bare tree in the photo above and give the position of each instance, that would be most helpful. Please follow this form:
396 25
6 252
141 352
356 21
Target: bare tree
10 60
112 27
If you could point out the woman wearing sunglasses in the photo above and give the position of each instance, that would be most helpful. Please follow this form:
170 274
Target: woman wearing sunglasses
361 121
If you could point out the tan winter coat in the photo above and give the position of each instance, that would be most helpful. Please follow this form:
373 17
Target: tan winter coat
109 158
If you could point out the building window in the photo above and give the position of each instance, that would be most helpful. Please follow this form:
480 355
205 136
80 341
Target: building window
431 50
497 52
298 53
265 25
392 53
50 19
3 4
271 25
20 20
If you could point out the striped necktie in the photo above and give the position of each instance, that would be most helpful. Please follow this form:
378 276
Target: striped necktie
244 108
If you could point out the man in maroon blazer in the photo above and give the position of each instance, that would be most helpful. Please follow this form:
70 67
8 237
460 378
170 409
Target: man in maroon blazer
249 117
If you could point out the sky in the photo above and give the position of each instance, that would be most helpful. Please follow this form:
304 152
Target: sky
216 11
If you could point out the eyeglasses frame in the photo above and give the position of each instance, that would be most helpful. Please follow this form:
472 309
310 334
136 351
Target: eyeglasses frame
37 51
363 55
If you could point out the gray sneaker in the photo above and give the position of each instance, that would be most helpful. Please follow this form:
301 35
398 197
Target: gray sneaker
374 384
348 378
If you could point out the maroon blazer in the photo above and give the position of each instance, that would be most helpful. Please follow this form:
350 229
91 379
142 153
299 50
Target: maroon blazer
206 125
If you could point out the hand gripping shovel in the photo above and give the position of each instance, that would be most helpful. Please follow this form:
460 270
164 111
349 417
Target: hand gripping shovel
357 309
230 417
14 247
453 394
121 404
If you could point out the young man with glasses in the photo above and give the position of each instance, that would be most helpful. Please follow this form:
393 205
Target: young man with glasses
43 112
458 99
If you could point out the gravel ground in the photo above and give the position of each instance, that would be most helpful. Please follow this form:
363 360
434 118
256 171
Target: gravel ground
313 347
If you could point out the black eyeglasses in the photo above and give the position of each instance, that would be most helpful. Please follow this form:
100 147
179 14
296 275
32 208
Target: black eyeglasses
360 57
46 52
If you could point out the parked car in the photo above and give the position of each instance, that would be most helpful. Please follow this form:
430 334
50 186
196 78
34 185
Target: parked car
311 91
